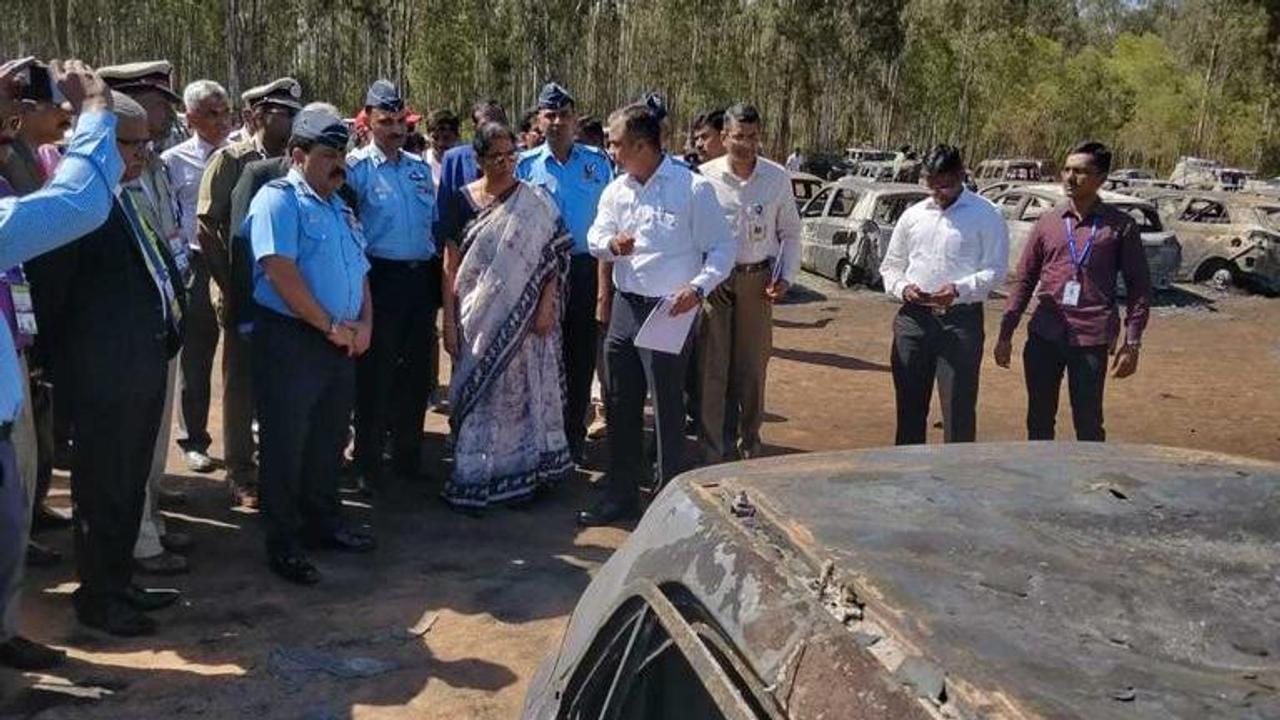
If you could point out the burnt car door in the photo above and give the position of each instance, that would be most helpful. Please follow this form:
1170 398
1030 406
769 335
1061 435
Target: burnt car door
811 227
832 257
874 233
1201 224
1021 219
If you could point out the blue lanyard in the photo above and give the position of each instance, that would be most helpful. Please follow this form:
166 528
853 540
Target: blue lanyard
1078 259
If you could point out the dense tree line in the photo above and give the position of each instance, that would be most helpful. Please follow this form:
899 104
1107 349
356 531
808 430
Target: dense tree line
1157 78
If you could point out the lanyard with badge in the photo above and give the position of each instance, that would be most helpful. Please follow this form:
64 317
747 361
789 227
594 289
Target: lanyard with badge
20 292
1071 291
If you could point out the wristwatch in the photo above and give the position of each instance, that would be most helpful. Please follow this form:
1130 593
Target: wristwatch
333 325
702 294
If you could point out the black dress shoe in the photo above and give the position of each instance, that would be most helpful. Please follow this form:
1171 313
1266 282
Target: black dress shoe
147 599
20 653
47 518
42 555
117 618
295 568
608 512
243 494
343 540
177 542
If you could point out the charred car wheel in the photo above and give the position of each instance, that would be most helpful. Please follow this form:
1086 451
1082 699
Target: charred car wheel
847 274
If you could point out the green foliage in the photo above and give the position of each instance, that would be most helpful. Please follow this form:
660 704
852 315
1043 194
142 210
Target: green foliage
1158 78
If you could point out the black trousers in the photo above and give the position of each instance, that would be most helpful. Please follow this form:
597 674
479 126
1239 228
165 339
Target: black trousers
42 412
305 387
1044 362
634 373
200 343
395 377
578 337
117 403
943 349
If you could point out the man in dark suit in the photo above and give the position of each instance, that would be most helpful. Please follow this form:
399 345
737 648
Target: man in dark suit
112 307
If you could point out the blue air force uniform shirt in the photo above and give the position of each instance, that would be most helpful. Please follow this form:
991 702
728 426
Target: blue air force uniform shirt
576 184
396 202
323 237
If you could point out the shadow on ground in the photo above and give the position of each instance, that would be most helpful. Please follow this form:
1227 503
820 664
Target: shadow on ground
482 596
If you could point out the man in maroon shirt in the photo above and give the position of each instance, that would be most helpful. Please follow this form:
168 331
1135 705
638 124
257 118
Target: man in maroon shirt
1070 264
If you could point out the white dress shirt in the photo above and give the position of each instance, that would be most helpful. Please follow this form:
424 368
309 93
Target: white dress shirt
185 163
682 236
436 163
966 244
762 213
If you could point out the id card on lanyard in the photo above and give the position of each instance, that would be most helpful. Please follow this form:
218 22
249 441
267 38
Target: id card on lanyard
23 311
1071 290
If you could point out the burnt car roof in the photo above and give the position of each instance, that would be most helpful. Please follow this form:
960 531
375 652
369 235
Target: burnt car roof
1043 579
865 185
1052 190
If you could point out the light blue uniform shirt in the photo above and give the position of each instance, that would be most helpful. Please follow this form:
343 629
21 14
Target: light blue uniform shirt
323 237
396 202
576 185
74 203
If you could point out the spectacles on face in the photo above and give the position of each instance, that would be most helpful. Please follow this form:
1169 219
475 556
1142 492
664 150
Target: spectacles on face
134 145
505 157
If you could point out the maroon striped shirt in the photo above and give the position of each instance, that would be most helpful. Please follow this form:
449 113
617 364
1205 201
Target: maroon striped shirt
1046 267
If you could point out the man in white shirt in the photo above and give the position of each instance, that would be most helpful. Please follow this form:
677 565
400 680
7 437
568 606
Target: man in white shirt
947 253
666 235
735 339
209 117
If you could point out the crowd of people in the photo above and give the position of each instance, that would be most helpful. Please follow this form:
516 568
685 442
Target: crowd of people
334 263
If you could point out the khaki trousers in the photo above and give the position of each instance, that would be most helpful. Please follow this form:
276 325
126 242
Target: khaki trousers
735 340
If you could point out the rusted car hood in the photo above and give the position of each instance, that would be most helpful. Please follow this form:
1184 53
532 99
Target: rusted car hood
1043 579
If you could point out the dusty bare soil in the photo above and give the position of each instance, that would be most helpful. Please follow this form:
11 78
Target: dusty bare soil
244 644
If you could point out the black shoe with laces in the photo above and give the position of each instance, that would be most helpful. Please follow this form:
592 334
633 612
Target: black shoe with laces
115 617
295 568
608 512
149 599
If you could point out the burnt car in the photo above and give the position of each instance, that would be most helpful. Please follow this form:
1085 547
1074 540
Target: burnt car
1023 205
904 170
995 189
847 227
1016 169
1204 174
1227 238
1015 580
826 165
803 187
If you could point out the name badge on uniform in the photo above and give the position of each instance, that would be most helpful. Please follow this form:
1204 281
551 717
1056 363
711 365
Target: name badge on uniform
1071 293
23 310
755 222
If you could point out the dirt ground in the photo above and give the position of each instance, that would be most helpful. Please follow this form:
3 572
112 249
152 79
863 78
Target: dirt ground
245 644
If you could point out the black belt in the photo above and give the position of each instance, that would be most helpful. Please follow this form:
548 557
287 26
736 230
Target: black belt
754 267
405 264
6 431
633 297
953 309
266 313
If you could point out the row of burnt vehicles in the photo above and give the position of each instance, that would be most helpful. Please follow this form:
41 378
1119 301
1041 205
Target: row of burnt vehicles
1226 238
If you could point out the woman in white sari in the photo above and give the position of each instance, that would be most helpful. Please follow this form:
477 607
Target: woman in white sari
506 396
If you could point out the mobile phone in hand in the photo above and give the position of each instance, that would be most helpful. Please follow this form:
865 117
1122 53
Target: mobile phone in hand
38 85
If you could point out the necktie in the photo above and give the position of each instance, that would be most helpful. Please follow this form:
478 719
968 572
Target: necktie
149 242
